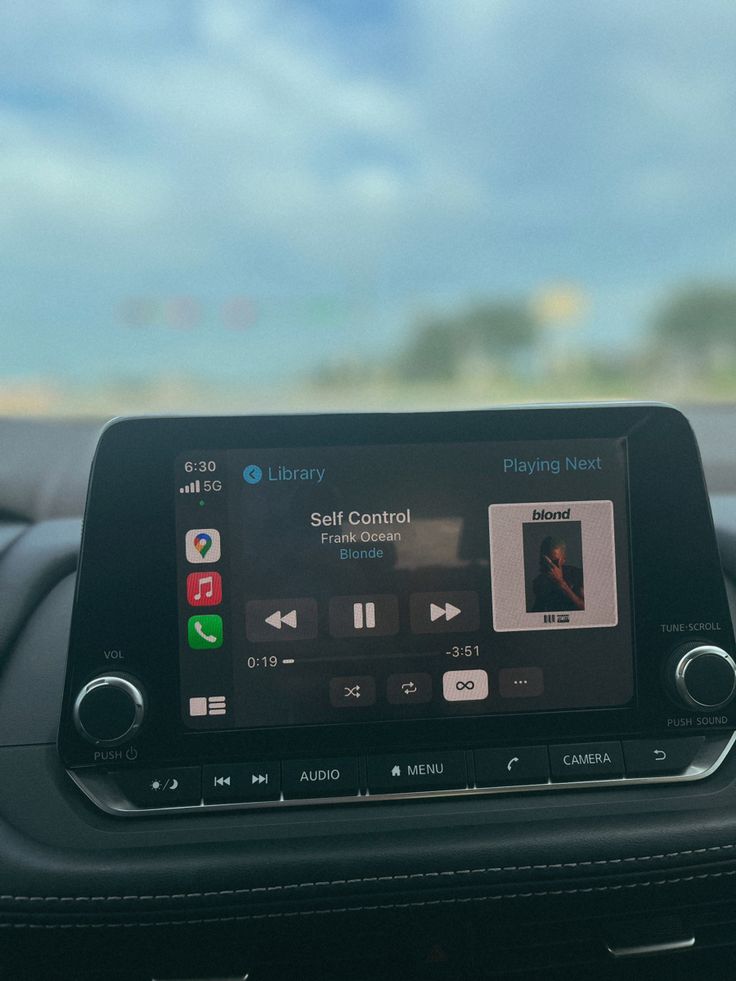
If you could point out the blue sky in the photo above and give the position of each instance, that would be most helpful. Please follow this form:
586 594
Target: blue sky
372 161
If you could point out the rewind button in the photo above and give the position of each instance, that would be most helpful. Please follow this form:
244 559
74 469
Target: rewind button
241 782
280 620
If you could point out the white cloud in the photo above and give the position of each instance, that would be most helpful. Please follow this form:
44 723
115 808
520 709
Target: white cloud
251 133
54 179
486 147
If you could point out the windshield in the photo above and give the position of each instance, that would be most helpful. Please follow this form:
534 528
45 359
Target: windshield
233 207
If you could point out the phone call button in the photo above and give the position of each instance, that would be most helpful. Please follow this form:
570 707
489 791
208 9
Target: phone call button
517 765
204 631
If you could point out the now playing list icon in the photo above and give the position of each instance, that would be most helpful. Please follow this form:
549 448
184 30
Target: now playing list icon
204 705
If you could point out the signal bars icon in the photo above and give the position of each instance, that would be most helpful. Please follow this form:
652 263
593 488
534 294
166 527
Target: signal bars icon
191 488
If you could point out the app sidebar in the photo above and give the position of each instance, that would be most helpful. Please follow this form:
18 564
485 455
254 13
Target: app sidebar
204 590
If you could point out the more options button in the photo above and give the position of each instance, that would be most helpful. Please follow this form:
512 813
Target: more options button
520 682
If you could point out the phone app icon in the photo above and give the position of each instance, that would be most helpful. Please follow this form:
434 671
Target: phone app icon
204 588
204 632
203 545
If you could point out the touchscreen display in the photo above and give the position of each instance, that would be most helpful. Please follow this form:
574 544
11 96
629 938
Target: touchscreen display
348 584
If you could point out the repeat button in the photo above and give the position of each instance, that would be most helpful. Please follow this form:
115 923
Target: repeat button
586 761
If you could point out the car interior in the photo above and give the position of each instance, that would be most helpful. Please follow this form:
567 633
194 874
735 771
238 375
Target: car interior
367 491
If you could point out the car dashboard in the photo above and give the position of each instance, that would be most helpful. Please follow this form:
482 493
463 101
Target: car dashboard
431 847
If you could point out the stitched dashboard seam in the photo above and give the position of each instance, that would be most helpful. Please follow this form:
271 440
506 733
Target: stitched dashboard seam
235 918
398 877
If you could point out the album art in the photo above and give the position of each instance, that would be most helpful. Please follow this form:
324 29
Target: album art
553 565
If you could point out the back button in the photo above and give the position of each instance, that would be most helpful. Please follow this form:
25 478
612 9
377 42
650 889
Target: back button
646 757
241 782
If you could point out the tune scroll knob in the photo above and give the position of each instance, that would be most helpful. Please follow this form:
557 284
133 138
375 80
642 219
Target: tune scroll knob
704 676
109 709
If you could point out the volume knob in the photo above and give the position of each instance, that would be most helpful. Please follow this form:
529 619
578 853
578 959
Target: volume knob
704 676
109 709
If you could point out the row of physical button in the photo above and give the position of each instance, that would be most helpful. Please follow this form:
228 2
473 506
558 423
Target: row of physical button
406 772
240 782
585 761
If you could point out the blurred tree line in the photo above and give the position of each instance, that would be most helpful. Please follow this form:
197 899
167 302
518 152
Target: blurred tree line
698 322
691 334
496 331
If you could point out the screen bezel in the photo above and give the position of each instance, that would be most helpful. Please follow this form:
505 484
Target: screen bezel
115 588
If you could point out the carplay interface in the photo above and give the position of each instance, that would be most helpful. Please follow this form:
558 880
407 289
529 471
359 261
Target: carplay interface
350 584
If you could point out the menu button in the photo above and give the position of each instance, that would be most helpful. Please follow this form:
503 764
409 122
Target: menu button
404 772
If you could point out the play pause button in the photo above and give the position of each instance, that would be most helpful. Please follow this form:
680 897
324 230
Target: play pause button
241 782
440 613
